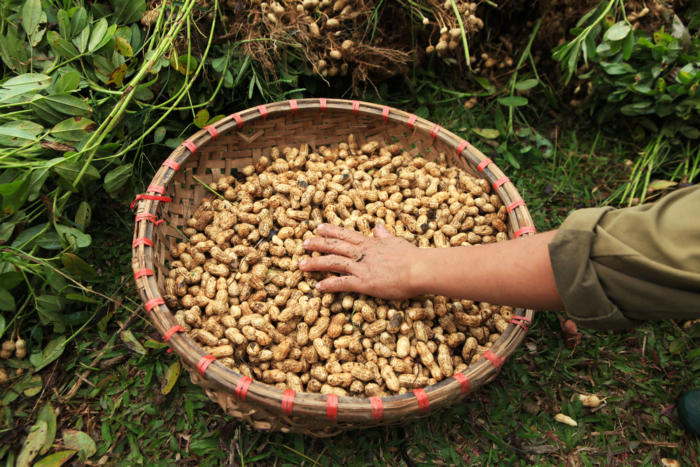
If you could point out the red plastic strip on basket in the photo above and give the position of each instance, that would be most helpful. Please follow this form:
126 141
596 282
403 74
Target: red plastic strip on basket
332 408
169 333
147 216
377 408
462 146
293 106
153 302
238 119
172 164
156 189
497 184
164 199
288 402
463 381
515 204
517 319
212 131
263 111
423 401
524 230
385 113
411 121
141 241
434 131
143 272
189 145
495 359
322 101
204 363
482 165
242 388
355 107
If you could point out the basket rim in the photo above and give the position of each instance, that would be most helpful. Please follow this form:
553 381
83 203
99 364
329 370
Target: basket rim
348 409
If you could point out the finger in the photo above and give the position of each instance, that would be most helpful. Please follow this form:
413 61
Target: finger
341 284
332 263
331 245
381 232
347 235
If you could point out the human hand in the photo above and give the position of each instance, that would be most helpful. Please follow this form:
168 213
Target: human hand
381 266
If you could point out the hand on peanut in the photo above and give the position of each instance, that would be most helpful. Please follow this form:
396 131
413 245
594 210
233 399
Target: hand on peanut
380 266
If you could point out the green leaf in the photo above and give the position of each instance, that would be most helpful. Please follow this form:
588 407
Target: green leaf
80 442
81 298
78 267
7 301
487 133
68 82
513 101
50 241
33 387
31 14
48 415
14 137
618 31
2 325
79 20
106 39
64 24
24 238
28 80
52 351
170 378
81 40
158 136
201 119
628 46
216 119
422 112
62 47
123 47
83 216
38 35
132 342
81 240
526 84
98 33
116 178
661 185
12 279
73 129
68 105
32 445
677 346
69 170
14 194
55 460
37 182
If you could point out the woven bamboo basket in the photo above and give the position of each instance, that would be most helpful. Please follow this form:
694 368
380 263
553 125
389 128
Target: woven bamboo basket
240 140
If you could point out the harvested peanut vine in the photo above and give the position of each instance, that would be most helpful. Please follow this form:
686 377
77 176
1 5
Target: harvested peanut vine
237 288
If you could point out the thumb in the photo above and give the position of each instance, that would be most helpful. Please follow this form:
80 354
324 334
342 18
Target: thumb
381 232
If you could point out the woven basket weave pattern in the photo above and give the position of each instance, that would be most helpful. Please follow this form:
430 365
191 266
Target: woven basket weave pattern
241 140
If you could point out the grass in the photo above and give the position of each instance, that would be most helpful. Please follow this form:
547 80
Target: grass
510 422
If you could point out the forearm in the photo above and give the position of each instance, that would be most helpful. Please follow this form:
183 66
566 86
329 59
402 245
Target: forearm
515 273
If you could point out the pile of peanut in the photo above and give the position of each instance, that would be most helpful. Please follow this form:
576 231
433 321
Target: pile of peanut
237 289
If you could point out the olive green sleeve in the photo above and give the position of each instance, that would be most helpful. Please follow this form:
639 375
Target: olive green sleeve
616 267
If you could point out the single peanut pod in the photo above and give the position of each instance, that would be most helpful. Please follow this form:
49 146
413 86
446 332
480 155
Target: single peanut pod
424 353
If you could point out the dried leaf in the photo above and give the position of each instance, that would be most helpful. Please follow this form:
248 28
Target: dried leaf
132 342
170 378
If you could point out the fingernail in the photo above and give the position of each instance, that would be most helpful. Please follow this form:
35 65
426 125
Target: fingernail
306 242
319 287
322 227
302 263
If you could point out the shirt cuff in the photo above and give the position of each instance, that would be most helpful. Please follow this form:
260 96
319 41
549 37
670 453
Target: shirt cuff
578 284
